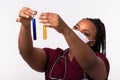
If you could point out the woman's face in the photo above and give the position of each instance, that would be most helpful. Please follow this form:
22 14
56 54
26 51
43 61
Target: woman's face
88 29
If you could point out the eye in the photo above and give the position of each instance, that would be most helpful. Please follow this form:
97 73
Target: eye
74 27
86 34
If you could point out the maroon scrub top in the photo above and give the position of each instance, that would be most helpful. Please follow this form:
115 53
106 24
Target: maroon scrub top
73 71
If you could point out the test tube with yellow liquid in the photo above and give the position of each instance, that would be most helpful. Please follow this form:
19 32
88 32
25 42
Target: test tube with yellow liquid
44 32
44 27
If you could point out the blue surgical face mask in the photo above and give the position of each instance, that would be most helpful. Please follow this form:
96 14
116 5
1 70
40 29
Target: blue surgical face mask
81 36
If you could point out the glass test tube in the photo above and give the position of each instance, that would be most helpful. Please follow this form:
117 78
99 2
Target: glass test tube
34 28
44 32
44 27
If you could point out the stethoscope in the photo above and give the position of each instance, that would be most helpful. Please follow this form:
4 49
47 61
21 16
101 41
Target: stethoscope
65 62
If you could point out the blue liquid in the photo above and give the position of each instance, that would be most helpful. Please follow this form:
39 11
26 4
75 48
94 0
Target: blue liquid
34 29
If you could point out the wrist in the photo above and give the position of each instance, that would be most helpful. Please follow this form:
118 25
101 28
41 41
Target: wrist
66 31
26 25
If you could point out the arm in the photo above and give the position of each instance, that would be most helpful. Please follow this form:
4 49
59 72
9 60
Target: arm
93 65
35 57
87 59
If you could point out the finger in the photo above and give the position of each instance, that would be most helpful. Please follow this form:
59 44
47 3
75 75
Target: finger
44 15
27 13
44 21
18 19
47 24
30 10
24 14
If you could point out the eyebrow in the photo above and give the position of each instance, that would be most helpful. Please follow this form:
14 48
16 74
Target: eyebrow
84 29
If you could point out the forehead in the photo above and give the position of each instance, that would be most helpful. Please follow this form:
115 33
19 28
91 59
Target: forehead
88 25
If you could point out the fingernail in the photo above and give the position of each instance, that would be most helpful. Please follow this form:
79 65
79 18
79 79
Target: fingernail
27 16
32 15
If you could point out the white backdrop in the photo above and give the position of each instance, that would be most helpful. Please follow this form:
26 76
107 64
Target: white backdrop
13 67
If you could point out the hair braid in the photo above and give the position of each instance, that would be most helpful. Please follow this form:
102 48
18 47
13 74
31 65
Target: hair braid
100 36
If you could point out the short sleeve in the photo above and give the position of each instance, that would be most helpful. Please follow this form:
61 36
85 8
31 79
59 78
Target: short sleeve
104 58
51 55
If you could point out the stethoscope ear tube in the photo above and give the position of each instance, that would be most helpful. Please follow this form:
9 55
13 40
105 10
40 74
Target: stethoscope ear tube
58 59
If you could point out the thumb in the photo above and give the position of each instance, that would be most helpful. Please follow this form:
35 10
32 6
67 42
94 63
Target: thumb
18 19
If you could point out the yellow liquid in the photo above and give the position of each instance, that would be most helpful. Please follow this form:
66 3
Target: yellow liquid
44 32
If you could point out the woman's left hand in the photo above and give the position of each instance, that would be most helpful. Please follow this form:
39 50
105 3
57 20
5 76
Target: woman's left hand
53 20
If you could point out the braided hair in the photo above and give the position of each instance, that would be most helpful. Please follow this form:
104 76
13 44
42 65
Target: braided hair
100 36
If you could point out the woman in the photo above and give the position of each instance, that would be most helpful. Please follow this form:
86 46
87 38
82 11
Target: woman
81 61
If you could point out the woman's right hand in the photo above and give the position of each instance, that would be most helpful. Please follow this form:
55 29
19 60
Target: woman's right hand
26 15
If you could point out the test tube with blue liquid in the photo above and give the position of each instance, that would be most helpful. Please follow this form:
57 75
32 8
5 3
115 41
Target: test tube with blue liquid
34 28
